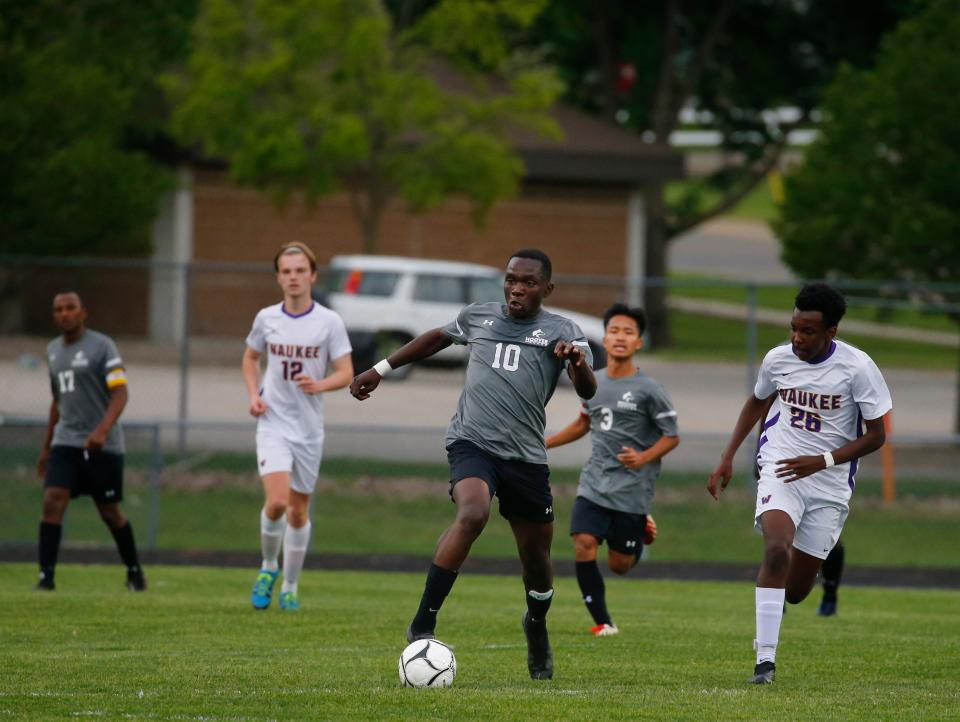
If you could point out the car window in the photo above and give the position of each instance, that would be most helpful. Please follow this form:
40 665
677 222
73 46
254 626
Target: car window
484 289
438 289
362 283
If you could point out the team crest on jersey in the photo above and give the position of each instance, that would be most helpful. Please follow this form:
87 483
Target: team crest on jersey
80 360
626 402
537 338
765 499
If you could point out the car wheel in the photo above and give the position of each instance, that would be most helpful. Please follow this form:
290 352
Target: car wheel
387 342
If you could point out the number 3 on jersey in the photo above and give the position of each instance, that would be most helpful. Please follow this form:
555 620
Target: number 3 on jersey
511 357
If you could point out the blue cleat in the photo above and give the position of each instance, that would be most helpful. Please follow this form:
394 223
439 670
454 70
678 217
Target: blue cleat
828 608
263 588
289 601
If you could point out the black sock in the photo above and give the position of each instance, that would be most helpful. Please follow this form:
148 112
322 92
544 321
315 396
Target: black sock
831 571
127 547
594 591
439 583
49 548
538 604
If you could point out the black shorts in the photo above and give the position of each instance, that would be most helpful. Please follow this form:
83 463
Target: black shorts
624 532
523 488
95 473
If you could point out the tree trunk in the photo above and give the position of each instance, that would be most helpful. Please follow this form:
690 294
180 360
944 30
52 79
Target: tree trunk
655 295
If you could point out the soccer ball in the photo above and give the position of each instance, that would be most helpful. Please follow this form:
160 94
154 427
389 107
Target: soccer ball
427 663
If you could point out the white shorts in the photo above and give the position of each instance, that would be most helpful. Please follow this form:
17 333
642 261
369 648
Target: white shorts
818 517
301 460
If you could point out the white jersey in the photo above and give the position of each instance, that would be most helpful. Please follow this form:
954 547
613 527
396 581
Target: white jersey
296 344
820 407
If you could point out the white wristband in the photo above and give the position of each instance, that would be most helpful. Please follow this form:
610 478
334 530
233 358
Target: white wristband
382 367
828 459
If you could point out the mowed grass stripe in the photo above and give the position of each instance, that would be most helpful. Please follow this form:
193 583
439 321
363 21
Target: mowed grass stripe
191 648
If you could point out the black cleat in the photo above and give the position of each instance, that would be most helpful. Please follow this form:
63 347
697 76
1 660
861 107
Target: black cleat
414 636
45 584
136 582
539 654
828 608
763 673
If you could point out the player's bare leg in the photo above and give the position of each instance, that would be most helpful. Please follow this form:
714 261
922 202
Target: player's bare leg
296 538
273 523
590 581
472 497
803 575
55 502
122 532
778 532
533 544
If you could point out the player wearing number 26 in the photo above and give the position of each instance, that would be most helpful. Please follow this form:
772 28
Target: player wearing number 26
302 341
495 442
825 393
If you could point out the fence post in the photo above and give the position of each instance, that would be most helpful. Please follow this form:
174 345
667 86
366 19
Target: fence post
182 411
886 452
751 336
156 469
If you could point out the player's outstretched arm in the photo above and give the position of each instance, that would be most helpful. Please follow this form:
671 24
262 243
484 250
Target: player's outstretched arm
751 412
570 433
423 346
801 466
578 369
251 378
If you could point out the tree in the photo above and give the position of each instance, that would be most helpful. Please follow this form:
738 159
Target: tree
79 108
337 95
642 64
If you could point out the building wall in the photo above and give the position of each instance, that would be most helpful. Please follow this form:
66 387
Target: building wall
583 229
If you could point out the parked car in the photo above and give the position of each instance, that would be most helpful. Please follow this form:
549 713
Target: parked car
396 299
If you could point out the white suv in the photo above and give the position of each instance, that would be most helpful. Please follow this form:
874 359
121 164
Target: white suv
399 298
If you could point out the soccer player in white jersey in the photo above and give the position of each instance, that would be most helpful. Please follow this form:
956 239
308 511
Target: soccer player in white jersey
826 393
302 340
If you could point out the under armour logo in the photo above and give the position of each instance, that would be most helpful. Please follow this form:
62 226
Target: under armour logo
488 322
630 544
765 499
548 510
588 599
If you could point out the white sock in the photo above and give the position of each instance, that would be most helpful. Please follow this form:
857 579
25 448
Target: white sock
295 542
769 614
271 537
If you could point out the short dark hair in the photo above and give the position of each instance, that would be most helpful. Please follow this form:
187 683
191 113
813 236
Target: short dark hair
821 297
536 255
622 309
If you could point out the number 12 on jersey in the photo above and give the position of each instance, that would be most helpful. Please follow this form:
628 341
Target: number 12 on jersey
511 357
291 369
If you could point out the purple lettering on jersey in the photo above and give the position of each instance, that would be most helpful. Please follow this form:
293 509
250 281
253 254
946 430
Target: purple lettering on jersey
804 398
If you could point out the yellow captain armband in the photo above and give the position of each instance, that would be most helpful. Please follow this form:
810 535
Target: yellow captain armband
117 377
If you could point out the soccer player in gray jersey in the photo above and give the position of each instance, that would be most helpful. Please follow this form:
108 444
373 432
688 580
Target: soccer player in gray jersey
495 440
633 425
83 447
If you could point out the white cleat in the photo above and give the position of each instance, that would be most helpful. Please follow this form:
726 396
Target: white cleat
605 630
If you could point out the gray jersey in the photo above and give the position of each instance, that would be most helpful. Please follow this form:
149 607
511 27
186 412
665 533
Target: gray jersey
633 411
511 375
81 376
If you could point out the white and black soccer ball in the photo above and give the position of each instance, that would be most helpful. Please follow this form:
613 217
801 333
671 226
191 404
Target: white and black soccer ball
427 663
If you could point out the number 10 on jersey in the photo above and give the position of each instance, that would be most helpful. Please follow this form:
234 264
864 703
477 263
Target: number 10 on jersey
511 357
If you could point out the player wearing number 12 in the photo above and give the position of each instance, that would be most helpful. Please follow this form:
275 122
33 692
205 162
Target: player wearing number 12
302 340
825 391
495 442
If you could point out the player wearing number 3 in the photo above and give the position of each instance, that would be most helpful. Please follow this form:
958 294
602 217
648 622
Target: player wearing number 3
826 392
495 440
302 339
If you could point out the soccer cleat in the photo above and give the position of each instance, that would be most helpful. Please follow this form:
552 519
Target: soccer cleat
763 673
828 608
289 601
136 582
263 588
605 630
650 531
539 653
45 584
414 636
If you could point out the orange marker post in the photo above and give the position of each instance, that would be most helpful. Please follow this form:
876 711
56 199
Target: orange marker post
889 479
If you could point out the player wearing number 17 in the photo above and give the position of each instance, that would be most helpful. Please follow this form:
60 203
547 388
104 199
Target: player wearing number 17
495 442
302 339
825 391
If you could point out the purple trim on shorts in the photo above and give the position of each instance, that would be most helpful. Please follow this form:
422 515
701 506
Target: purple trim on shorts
297 315
823 357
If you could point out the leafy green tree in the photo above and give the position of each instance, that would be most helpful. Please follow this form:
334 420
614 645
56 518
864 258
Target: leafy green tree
877 197
642 64
79 110
329 95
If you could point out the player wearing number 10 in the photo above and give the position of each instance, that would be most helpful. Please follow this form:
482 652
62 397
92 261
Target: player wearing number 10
495 440
825 391
302 339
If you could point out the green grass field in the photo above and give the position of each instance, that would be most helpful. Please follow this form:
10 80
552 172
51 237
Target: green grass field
191 649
